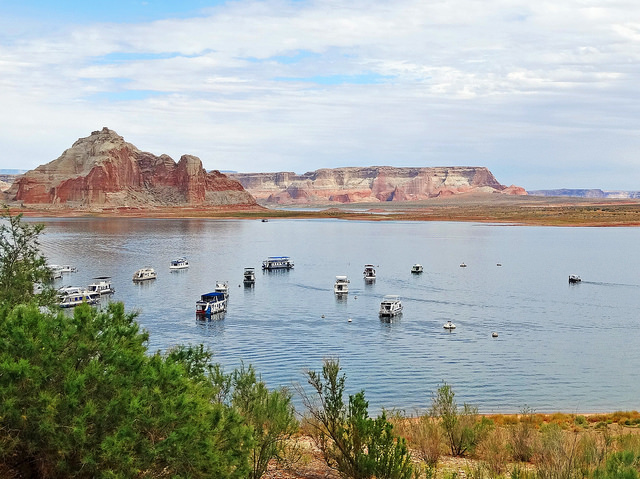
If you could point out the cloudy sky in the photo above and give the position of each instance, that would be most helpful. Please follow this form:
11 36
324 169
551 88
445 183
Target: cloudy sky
545 93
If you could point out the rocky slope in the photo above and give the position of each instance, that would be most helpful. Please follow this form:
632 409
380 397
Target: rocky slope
104 170
371 184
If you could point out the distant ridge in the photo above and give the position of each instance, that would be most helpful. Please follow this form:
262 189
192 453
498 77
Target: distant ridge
586 193
372 184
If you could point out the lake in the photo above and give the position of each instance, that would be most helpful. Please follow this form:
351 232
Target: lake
560 347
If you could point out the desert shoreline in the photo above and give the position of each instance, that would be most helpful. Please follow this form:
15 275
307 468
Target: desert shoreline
500 210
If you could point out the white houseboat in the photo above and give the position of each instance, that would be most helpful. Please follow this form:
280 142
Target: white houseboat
390 305
73 296
277 262
179 263
369 272
417 268
211 303
144 274
223 288
102 285
341 286
249 276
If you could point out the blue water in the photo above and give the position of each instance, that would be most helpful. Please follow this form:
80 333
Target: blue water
560 347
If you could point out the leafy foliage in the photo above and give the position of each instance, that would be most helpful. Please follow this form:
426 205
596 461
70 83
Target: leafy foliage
21 263
270 414
463 429
81 398
358 446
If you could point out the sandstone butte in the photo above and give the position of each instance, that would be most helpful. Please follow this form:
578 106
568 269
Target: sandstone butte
371 184
104 171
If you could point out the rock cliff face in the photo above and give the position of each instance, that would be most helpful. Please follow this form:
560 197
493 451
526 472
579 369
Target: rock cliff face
371 184
104 170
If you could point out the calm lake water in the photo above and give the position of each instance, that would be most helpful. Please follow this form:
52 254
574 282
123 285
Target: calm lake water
561 347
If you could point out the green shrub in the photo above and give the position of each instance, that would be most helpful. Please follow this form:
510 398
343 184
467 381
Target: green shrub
356 445
462 429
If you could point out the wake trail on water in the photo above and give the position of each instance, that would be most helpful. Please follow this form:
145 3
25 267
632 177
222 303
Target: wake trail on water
601 283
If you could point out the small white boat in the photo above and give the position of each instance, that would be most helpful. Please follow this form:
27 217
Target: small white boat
144 274
277 262
71 296
390 305
211 303
449 325
574 278
102 285
417 268
249 276
179 263
223 288
369 272
341 286
55 270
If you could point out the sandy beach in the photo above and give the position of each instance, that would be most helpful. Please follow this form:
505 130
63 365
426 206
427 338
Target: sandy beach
523 210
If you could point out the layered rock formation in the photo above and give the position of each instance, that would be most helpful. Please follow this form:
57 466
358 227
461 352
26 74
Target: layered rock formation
371 184
104 170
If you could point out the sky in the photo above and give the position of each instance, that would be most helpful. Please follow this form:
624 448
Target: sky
544 93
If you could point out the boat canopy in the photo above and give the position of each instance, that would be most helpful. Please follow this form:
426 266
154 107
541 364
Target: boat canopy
214 296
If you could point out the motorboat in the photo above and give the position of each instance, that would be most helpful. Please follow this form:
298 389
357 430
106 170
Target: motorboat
71 296
55 271
101 285
277 262
145 274
211 303
573 278
390 305
369 272
249 276
341 286
449 326
179 263
223 288
417 268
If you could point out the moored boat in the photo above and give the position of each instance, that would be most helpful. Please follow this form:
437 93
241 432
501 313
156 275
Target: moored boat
71 296
102 285
211 303
179 263
249 276
369 272
145 274
417 268
341 286
390 305
223 288
277 262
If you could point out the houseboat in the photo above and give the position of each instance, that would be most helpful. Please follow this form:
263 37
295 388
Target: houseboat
249 276
277 262
71 296
341 286
179 263
101 285
223 288
369 272
417 268
390 305
211 303
144 274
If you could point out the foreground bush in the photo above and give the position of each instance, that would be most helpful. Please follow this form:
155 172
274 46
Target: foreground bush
358 446
82 398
